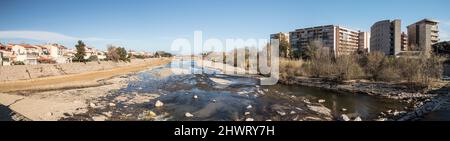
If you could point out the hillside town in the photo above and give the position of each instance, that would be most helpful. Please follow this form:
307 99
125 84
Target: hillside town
28 54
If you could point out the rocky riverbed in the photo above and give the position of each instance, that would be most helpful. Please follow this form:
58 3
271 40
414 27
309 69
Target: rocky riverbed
419 101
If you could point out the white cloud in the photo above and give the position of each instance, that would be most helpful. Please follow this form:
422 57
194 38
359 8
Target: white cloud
44 36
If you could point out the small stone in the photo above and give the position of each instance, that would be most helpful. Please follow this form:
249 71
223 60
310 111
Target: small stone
49 114
343 110
344 117
269 120
99 118
249 107
321 101
214 100
249 119
187 114
151 114
247 113
358 119
159 104
92 105
107 114
112 104
195 97
281 113
293 112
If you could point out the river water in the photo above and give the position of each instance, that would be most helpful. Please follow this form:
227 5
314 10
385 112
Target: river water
217 96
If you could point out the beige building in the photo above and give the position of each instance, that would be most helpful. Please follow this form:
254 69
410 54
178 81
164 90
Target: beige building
339 40
364 41
386 37
422 35
404 42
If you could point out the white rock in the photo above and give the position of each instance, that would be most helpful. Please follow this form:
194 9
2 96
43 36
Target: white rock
389 111
269 120
151 114
249 107
49 114
112 104
281 113
214 100
321 100
159 104
293 112
344 117
195 96
99 118
249 119
343 110
358 119
187 114
107 114
247 113
92 105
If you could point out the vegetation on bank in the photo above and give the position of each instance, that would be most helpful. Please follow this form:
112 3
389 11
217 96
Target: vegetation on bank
375 66
317 61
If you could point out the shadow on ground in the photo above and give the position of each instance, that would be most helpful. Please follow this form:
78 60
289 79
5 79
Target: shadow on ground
5 113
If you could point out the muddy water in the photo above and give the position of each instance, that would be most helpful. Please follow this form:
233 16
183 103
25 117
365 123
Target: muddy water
216 96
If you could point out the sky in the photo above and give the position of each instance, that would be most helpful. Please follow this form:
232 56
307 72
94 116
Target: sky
151 25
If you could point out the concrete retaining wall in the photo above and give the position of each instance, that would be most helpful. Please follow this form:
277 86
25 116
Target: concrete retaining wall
24 72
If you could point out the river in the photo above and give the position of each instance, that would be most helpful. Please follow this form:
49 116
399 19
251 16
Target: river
220 97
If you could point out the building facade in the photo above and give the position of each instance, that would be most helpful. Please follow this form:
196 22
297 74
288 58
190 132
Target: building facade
339 40
385 37
404 42
422 35
364 41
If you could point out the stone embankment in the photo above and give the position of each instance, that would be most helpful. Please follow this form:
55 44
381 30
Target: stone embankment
26 72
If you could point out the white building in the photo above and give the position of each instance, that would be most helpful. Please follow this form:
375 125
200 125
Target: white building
25 53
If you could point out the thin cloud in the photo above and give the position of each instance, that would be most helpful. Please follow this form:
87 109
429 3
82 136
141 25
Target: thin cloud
44 36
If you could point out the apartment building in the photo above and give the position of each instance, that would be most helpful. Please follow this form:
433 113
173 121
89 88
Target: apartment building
364 41
55 52
404 42
385 37
423 34
339 40
25 53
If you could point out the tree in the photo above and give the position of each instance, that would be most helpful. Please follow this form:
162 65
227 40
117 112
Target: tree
112 53
285 47
81 52
311 50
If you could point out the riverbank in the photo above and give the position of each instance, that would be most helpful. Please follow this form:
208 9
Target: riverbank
53 98
421 101
88 78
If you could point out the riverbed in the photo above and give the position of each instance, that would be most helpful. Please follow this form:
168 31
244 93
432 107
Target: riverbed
189 92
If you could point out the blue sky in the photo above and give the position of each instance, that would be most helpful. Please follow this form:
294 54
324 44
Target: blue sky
153 24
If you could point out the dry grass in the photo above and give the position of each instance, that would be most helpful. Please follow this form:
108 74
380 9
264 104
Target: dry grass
291 68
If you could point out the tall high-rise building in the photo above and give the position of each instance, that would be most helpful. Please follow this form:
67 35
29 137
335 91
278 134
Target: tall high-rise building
423 34
404 43
386 37
364 41
339 40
